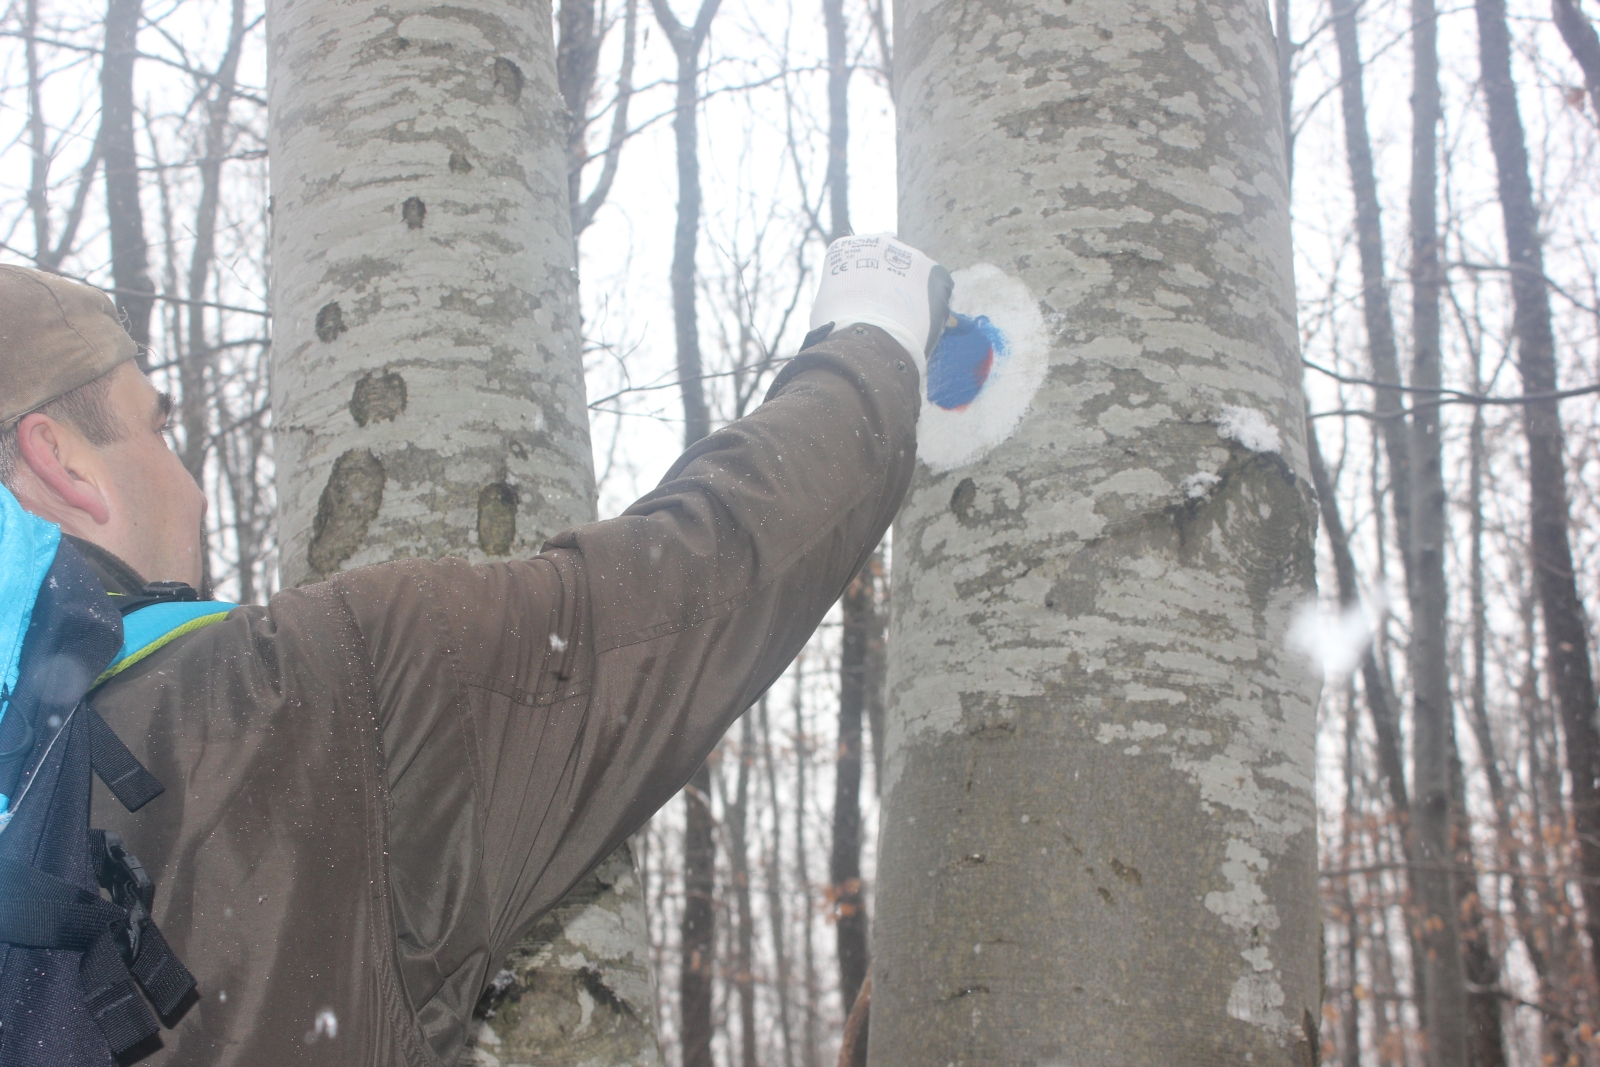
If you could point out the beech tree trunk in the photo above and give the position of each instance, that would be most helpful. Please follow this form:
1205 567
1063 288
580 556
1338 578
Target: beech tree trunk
1382 353
698 925
428 392
838 119
1098 827
1565 630
1436 912
1508 848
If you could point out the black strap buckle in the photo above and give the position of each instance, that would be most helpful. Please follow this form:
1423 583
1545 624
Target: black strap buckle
131 889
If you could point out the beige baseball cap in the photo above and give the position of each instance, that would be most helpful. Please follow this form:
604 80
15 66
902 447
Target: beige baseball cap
55 335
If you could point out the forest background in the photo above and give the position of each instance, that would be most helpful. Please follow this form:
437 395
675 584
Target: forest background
145 120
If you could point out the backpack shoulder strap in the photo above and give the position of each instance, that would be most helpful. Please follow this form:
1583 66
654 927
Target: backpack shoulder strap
156 625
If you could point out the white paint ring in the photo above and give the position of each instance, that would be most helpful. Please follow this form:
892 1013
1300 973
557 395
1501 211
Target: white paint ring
976 394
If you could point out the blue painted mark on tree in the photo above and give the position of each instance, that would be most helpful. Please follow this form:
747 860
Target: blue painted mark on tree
960 364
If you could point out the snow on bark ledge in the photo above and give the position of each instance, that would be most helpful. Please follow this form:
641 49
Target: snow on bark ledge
1250 428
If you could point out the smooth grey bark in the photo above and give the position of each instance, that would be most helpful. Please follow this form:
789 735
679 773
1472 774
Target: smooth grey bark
1436 912
426 336
428 391
1098 826
838 119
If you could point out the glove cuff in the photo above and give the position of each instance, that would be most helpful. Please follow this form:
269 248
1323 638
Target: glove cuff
897 330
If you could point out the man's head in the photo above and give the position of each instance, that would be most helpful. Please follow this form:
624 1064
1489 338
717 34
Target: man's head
82 431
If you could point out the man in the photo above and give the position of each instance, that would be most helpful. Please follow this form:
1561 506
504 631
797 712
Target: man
376 784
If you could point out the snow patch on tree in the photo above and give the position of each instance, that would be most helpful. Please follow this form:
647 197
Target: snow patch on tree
1198 485
1250 428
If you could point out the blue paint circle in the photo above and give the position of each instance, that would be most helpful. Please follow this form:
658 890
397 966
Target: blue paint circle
963 360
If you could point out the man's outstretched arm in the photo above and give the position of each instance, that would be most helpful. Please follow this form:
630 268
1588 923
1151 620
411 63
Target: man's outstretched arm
701 594
536 712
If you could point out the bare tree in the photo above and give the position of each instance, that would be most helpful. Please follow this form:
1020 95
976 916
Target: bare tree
1566 633
428 380
838 119
1075 610
687 41
217 95
777 913
808 957
1438 915
698 929
41 152
859 608
1583 43
130 252
738 820
577 63
860 626
1383 356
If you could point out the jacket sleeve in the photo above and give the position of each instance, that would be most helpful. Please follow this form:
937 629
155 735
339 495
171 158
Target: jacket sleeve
598 675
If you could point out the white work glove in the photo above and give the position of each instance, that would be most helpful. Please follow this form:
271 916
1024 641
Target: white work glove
881 281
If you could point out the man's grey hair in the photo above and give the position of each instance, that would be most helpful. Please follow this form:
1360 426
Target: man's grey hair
86 409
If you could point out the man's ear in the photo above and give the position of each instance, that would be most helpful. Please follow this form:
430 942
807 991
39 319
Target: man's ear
71 478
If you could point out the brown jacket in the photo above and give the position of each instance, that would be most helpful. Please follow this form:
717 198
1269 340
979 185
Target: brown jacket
376 784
